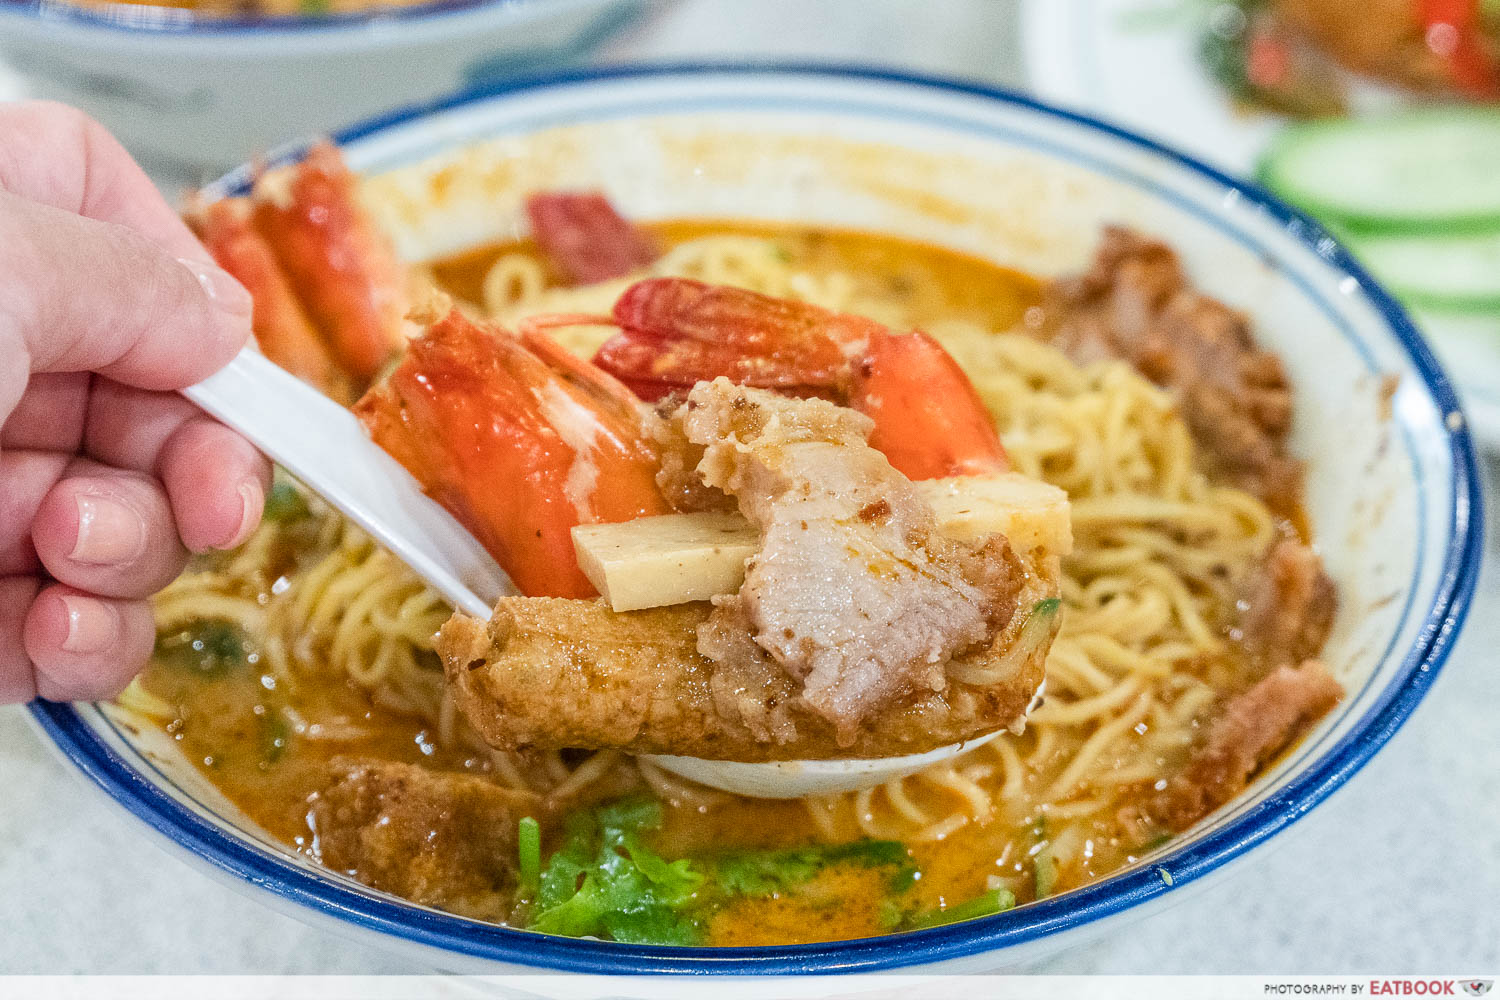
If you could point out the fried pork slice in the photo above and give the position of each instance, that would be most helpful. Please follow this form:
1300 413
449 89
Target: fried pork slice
1255 726
1136 304
1286 605
853 593
678 479
584 239
437 838
551 672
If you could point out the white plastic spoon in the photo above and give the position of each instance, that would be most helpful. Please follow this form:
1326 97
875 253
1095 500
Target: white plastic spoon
326 448
795 779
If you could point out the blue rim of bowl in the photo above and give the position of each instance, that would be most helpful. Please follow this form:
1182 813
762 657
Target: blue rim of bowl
1106 898
168 21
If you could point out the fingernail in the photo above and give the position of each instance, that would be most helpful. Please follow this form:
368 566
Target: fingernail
252 499
220 286
92 625
108 531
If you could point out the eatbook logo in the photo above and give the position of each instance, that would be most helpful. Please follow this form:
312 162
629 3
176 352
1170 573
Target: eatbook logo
1477 987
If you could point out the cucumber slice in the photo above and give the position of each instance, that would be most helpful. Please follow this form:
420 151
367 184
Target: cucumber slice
1420 169
1460 271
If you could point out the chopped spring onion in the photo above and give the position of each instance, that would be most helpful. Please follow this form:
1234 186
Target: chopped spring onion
529 845
1046 873
994 901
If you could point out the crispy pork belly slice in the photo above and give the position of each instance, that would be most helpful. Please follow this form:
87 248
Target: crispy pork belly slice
438 838
551 672
1286 605
584 239
1254 728
1136 303
853 593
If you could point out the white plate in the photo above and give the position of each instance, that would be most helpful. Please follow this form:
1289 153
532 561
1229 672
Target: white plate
1135 62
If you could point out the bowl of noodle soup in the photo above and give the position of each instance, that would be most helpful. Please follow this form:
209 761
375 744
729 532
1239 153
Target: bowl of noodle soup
919 203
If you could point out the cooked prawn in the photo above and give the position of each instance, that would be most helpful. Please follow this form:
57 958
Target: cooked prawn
340 263
520 441
929 420
282 327
330 294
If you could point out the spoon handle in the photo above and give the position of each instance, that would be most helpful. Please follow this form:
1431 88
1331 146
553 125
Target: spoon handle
326 448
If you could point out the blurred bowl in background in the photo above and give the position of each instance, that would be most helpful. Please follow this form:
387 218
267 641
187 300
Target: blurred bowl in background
195 93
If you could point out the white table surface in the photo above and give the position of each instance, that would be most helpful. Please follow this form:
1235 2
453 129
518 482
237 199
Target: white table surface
1397 872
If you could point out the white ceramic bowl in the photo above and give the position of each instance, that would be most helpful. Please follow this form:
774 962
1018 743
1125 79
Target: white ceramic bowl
1394 500
197 95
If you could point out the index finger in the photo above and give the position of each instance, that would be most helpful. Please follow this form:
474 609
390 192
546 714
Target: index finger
78 294
84 170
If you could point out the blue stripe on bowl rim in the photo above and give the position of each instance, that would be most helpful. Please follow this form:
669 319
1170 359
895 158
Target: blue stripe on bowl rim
335 897
179 21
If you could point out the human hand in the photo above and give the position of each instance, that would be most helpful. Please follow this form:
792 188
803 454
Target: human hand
108 478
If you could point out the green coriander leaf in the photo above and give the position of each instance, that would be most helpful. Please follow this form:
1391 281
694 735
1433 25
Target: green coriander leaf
285 503
630 814
207 647
275 736
654 925
606 882
762 873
